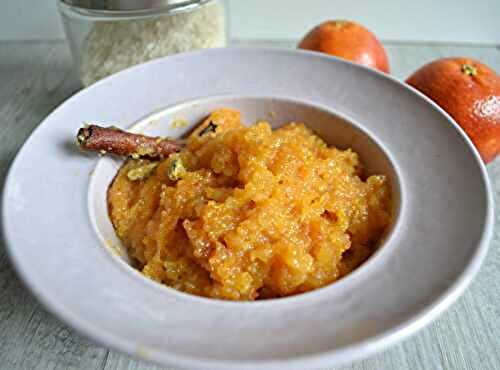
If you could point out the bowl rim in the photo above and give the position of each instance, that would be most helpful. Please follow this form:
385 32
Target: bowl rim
340 355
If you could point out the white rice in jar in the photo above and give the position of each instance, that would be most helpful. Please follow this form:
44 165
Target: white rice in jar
112 46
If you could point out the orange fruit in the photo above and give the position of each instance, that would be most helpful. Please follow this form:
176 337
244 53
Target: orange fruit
469 91
347 40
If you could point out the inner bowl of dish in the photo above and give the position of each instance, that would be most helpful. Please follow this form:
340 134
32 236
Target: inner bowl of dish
334 129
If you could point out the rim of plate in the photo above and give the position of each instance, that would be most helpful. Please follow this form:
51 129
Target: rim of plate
360 349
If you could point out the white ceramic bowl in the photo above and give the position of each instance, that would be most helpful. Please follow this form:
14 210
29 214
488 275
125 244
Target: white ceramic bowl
58 232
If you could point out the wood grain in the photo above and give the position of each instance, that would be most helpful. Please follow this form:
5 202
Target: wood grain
36 77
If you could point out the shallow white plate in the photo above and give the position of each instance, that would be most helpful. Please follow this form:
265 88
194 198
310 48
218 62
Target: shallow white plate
59 236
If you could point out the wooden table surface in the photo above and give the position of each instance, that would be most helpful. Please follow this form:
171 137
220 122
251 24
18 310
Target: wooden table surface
35 77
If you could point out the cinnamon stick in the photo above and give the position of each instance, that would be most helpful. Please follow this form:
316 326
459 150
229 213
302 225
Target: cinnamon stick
116 141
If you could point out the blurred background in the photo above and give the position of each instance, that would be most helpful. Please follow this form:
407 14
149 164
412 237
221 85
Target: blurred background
287 20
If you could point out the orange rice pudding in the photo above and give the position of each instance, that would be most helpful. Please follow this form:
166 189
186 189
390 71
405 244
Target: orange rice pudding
246 213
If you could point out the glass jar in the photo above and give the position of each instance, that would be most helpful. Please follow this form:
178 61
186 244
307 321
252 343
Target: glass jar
107 36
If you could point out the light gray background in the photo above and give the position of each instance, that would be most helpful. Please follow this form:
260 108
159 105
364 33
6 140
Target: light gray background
476 21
